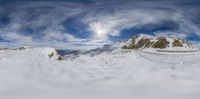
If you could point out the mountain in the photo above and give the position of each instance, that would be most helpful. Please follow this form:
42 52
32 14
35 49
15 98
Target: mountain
138 42
72 54
147 41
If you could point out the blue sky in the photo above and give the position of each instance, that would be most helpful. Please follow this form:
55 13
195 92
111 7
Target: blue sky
92 23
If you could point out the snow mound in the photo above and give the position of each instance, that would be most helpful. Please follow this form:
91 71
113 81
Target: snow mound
49 53
34 52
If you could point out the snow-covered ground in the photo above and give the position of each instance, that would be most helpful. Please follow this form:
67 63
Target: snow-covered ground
120 74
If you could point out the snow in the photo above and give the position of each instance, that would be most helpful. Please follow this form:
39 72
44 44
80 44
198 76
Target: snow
173 50
138 38
120 74
146 35
170 40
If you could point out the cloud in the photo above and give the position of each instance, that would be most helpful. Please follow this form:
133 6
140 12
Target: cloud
138 14
112 24
40 22
37 23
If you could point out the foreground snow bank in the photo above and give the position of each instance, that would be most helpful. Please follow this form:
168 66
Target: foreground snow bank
34 52
30 74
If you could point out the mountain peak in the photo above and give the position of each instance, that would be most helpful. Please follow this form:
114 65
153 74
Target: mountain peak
143 41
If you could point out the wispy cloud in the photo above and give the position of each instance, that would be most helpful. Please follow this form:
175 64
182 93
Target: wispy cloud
137 14
41 22
35 15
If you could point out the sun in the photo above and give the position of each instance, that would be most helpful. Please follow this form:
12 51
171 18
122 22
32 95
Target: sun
99 30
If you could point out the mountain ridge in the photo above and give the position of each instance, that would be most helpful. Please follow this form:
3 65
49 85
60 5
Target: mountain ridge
143 41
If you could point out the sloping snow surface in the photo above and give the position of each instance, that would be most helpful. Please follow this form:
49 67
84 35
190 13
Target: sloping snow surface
30 74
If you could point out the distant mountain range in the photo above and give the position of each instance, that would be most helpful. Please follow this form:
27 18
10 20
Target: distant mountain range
138 42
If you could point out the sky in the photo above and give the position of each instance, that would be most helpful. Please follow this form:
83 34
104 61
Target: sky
69 24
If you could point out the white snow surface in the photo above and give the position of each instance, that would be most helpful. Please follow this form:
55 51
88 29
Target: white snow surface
120 74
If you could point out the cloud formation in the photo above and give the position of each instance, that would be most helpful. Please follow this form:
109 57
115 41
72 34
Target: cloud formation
138 14
72 23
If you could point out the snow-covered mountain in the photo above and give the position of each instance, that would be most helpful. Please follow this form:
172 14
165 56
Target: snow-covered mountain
107 72
71 54
143 41
139 42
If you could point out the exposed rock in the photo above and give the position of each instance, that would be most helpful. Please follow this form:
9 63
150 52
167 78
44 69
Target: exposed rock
51 54
60 58
177 43
22 48
147 41
160 43
4 48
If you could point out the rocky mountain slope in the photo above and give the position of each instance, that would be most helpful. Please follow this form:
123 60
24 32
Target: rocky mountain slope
146 41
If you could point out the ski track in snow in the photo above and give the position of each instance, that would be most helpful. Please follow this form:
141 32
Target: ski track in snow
29 74
173 58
